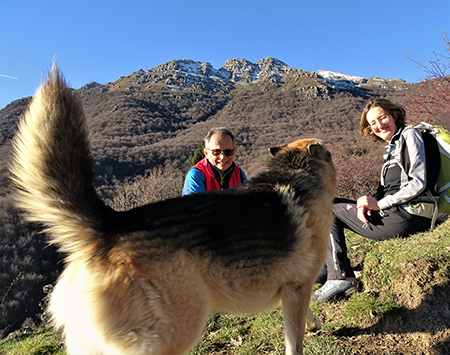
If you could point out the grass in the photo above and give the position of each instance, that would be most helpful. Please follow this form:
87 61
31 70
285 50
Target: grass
227 334
40 341
382 263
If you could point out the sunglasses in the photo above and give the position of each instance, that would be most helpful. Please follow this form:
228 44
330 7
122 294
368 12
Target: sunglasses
217 152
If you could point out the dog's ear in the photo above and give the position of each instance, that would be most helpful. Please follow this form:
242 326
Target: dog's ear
315 149
318 150
275 150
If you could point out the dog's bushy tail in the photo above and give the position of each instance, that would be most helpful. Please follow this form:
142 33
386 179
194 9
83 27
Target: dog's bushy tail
52 168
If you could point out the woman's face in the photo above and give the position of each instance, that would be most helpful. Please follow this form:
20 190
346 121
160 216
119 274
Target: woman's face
382 123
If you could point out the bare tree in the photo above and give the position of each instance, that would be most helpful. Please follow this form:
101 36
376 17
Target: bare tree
431 100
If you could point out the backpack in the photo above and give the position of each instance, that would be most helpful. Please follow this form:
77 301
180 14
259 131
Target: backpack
437 150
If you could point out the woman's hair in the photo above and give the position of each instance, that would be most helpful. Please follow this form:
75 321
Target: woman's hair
397 112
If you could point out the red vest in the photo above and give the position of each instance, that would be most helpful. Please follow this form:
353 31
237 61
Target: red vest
211 183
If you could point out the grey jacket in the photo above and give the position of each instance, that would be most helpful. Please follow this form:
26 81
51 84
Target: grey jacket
403 175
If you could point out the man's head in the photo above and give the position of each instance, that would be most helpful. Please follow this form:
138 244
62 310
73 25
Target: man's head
219 148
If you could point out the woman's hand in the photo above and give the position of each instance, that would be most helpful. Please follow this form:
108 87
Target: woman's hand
366 204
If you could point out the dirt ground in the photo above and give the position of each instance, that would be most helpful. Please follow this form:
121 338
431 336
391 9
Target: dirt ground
422 326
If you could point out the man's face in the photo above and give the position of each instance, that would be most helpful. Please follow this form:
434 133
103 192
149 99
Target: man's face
221 161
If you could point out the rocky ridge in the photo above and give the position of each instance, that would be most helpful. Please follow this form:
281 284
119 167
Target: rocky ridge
266 74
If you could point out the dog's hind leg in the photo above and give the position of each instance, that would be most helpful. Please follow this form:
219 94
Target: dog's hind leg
180 301
297 316
184 329
312 322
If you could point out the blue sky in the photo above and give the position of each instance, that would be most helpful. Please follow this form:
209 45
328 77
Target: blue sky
102 40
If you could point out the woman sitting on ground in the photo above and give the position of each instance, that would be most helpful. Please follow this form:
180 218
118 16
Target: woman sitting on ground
387 214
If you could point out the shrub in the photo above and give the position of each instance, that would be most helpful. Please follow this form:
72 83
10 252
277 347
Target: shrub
357 174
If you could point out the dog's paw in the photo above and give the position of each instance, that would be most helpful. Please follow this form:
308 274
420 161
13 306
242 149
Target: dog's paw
313 325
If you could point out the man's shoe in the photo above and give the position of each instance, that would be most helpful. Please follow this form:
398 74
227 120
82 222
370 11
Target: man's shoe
332 288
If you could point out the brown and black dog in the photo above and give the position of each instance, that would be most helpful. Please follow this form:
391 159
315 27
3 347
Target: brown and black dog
145 281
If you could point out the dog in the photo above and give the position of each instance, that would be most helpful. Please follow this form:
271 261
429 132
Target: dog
145 281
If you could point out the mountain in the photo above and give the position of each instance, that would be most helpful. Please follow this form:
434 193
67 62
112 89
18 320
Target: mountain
174 99
150 114
269 73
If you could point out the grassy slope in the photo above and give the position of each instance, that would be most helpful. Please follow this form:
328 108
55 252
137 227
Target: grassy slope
384 269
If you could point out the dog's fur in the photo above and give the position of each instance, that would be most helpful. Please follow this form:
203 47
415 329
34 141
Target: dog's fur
145 281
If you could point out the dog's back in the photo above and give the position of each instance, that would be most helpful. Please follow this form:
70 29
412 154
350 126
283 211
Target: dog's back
144 281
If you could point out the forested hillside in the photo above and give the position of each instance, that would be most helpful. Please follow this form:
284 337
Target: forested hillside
141 142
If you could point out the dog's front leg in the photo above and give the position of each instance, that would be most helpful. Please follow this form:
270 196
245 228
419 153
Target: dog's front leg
297 314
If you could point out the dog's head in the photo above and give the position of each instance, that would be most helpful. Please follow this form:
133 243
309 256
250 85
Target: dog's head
314 147
308 155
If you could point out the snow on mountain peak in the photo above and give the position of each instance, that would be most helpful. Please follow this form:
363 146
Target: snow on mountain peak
327 74
341 80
